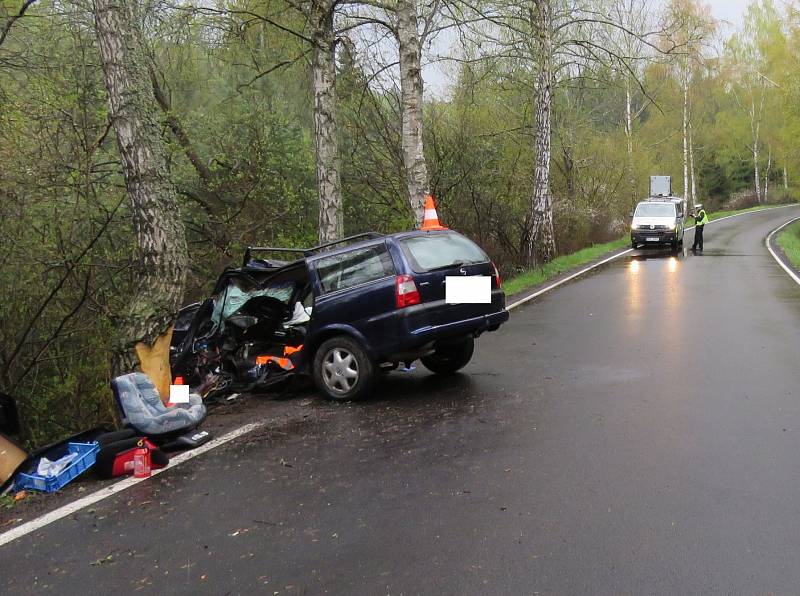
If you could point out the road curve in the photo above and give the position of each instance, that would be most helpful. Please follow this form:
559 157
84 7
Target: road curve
636 431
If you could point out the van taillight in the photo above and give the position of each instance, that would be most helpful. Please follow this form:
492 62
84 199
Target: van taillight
497 276
405 291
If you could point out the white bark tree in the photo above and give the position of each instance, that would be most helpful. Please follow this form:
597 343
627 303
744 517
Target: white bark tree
632 16
551 37
326 142
693 27
411 86
411 23
146 329
541 242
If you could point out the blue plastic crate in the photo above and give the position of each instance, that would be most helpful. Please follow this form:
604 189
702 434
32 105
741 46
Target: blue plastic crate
85 460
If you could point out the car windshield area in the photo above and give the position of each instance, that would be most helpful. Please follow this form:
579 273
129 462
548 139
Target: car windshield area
436 251
655 210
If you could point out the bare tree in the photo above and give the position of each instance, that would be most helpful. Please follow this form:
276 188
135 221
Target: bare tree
145 330
13 18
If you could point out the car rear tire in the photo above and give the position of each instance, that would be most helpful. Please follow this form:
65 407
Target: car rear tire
342 369
449 358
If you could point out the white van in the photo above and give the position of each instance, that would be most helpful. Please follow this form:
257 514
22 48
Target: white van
658 222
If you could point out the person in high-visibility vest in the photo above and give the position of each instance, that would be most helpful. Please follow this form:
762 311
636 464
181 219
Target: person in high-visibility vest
700 220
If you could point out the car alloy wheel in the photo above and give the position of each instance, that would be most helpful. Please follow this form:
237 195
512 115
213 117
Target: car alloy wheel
339 370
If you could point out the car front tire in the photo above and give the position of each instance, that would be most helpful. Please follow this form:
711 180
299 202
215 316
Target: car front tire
342 369
449 358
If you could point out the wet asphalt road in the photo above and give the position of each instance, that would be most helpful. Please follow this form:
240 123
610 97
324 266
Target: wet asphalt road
634 432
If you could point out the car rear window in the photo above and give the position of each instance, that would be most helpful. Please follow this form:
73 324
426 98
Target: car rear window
354 268
655 210
435 251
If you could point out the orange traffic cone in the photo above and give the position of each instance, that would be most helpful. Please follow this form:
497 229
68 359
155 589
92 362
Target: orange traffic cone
430 221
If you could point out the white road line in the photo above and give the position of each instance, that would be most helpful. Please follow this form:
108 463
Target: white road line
566 279
553 286
768 242
104 493
74 507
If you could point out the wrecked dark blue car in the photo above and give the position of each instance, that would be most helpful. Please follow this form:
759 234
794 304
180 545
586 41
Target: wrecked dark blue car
342 312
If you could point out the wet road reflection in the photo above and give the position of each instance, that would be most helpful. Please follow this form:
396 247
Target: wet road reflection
654 283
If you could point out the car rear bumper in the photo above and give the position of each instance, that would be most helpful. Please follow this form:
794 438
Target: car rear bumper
422 340
474 325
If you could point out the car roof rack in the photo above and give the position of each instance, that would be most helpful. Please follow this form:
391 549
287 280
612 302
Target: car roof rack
307 251
364 236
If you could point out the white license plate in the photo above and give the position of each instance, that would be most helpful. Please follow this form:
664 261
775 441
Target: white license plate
473 289
651 239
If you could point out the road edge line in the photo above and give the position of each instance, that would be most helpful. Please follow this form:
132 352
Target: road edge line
75 506
553 286
768 243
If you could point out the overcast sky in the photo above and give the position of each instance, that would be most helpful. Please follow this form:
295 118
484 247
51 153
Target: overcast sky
729 10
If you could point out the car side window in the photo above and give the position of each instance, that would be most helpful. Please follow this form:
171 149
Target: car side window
354 268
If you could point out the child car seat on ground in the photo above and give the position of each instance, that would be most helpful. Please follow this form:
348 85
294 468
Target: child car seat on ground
142 409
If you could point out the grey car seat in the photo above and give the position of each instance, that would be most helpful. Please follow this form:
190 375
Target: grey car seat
141 407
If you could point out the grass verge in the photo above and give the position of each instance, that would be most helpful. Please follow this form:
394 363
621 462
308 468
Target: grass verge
789 241
717 214
559 265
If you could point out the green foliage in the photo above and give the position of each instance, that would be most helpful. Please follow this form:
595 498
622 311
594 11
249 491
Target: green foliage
789 241
561 264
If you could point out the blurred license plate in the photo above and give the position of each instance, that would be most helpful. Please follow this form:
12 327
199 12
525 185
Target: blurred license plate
652 239
474 289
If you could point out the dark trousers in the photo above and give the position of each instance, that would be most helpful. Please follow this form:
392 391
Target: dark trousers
698 238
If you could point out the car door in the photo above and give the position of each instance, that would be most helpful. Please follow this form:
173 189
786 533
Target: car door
356 291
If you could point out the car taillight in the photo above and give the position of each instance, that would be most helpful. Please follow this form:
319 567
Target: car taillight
497 277
406 292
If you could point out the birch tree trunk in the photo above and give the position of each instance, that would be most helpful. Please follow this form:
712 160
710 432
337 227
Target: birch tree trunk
160 276
766 174
756 174
691 164
323 67
629 139
755 128
541 240
411 86
686 189
785 179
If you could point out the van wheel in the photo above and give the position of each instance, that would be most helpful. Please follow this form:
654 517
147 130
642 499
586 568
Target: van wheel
342 369
449 358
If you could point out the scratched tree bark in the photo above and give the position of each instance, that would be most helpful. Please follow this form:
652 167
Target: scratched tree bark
160 276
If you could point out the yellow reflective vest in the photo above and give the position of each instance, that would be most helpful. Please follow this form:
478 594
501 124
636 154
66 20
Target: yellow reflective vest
701 218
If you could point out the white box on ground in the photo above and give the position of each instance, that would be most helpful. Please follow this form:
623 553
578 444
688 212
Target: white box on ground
179 394
472 289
